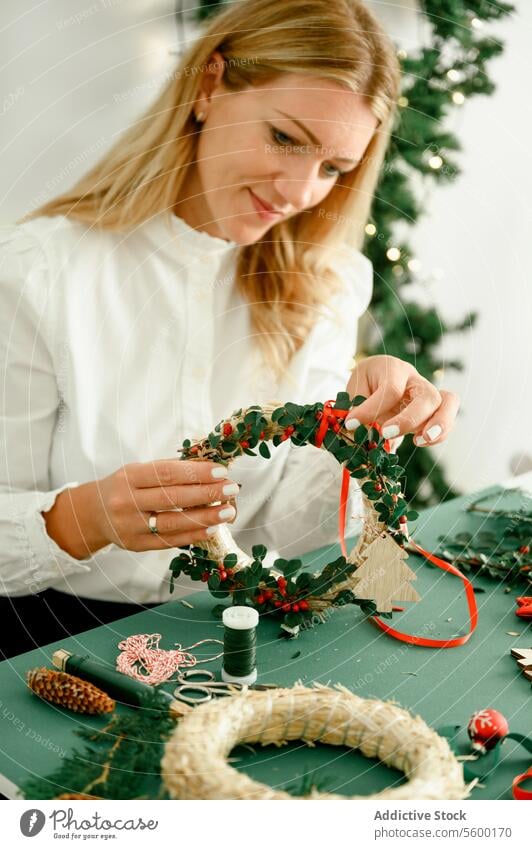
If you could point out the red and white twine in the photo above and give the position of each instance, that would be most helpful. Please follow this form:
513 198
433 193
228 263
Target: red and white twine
142 659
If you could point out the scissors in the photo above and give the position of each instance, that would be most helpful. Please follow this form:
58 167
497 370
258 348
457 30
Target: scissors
200 685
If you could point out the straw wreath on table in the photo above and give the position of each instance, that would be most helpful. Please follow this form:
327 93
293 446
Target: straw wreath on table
194 764
371 576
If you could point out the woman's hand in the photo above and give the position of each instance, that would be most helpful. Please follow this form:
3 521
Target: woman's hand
117 508
129 496
401 401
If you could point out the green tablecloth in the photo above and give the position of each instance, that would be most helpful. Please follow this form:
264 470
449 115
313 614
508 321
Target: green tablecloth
443 686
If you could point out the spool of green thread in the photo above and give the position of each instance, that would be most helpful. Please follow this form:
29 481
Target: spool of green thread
240 640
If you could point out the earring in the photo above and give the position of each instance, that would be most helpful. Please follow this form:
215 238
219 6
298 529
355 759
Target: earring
200 117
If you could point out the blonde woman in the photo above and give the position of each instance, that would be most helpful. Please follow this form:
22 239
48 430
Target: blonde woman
210 260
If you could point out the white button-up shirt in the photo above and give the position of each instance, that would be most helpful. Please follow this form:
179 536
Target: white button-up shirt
117 347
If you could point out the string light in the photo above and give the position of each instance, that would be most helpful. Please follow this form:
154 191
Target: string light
370 229
401 54
414 264
402 101
453 75
393 254
397 270
435 162
476 23
458 98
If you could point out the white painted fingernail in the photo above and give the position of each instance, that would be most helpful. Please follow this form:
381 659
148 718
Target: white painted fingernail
231 489
390 431
227 513
220 472
418 440
352 424
212 530
433 432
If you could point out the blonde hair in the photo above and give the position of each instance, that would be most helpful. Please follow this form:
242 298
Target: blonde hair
283 275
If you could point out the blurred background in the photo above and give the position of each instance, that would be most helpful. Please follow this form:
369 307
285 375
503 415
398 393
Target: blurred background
452 280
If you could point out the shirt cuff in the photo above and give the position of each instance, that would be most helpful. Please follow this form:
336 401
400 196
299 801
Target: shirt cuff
48 561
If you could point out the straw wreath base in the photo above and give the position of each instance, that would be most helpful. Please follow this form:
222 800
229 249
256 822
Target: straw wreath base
194 764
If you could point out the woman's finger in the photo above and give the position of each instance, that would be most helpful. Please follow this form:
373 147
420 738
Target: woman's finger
437 428
425 400
173 472
189 521
386 397
194 495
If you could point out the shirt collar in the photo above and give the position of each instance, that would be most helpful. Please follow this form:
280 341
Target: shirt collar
185 238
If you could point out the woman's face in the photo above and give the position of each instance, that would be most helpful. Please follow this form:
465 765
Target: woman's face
280 146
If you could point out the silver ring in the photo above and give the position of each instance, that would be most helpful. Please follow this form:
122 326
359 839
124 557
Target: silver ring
152 523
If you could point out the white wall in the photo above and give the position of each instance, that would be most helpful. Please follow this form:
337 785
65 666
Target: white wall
74 73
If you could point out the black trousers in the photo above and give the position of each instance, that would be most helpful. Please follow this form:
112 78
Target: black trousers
27 622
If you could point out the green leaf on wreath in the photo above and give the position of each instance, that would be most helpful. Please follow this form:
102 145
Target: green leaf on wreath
259 551
228 446
411 515
292 566
342 401
264 451
230 560
277 414
214 581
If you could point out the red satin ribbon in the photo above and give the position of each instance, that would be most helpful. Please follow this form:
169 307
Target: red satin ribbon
518 792
329 417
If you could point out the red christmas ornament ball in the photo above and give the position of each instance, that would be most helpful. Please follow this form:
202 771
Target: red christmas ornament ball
486 728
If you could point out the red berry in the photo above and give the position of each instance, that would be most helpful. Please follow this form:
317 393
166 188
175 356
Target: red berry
227 429
194 449
223 575
261 435
282 592
395 498
244 443
295 607
371 446
403 519
268 594
281 581
205 577
260 599
229 572
303 604
285 608
277 603
525 549
284 437
378 487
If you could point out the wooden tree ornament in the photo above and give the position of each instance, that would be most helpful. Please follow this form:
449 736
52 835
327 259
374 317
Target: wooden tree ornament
383 577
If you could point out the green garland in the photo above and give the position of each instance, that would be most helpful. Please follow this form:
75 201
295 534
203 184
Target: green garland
296 596
117 761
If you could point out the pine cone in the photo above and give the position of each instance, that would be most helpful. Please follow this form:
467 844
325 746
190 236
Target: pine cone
76 796
67 690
